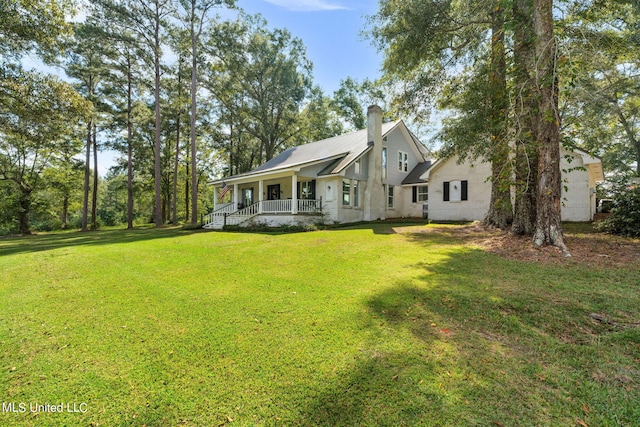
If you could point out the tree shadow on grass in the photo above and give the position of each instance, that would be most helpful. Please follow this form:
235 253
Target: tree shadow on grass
467 343
432 380
51 241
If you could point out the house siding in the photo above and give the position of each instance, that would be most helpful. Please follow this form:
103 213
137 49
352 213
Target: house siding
578 188
329 190
479 191
578 202
400 141
411 209
397 141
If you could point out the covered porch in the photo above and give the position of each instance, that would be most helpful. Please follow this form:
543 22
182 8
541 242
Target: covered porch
287 196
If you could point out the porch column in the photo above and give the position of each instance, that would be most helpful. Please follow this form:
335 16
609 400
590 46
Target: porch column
235 196
294 194
260 192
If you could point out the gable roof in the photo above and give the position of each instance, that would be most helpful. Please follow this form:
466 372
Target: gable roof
415 176
592 163
339 151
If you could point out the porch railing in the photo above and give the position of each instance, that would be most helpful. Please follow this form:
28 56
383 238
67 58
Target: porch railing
284 206
242 215
216 218
228 215
309 206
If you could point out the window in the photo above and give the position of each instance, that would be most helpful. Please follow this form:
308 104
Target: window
455 191
384 163
273 192
403 161
350 193
346 192
390 196
356 193
307 190
247 196
358 167
420 193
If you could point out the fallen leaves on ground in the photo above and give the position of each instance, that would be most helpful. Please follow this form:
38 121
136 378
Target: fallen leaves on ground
594 249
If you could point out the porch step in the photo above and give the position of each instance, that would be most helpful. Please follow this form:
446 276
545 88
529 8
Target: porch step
217 224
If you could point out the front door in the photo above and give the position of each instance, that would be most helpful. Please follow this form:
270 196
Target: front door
273 192
307 190
247 197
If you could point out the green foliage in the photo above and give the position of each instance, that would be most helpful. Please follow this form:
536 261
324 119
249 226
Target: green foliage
10 207
27 25
261 80
425 43
601 69
625 217
39 123
353 98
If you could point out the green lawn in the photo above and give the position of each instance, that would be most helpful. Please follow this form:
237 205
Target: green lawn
369 325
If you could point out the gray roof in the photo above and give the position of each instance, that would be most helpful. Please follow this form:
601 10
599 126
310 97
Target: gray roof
416 173
342 150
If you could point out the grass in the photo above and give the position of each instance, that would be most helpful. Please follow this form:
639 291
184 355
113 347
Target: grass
368 325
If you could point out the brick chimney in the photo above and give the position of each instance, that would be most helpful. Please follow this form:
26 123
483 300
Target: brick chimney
374 195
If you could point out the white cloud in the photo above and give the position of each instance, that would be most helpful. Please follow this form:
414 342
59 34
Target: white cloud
307 5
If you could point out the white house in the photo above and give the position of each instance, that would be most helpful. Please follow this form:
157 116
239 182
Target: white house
462 191
377 173
374 173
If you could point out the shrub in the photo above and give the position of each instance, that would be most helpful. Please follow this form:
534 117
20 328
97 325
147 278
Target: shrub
189 226
625 215
49 224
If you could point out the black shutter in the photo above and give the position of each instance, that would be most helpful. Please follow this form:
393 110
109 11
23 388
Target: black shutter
313 189
445 191
299 184
465 187
415 194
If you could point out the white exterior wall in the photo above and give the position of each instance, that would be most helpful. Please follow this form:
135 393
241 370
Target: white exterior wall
578 201
410 209
396 141
329 190
479 191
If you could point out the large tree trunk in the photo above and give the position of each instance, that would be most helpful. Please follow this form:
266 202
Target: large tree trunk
548 224
500 210
194 89
129 144
25 210
87 178
526 151
186 190
526 184
65 212
94 199
157 143
176 160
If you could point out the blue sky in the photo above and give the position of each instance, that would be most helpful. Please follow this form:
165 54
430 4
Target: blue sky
331 31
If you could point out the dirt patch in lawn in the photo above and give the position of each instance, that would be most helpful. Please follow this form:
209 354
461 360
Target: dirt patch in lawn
590 248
